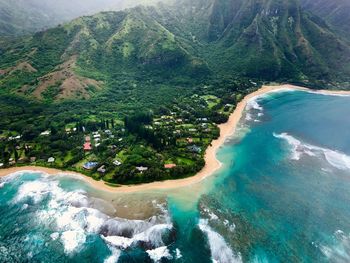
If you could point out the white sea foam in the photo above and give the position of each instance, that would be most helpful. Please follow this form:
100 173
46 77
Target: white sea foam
178 253
211 215
68 214
55 235
34 191
231 227
2 184
118 241
293 142
220 251
153 234
72 240
114 257
340 250
328 93
252 104
334 158
248 117
158 253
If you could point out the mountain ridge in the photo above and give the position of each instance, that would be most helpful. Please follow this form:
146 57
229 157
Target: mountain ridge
260 39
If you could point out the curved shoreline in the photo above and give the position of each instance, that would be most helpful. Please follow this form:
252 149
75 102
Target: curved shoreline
212 164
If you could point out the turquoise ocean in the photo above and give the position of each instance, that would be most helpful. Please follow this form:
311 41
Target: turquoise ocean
282 195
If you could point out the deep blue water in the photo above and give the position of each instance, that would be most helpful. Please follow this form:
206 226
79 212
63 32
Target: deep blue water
283 195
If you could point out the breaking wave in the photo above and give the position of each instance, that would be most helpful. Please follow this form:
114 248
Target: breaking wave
159 253
336 159
340 250
70 218
253 106
220 251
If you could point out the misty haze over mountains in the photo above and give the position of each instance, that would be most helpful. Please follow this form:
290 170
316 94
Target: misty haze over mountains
26 16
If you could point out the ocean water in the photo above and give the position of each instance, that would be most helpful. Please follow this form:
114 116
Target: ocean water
282 195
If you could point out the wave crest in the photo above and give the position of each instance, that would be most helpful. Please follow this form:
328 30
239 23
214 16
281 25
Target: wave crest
220 251
70 217
336 159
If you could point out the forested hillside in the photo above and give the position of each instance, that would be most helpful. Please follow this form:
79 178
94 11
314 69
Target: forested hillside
264 40
335 12
19 17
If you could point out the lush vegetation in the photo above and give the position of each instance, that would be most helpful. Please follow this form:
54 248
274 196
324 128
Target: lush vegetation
136 95
136 131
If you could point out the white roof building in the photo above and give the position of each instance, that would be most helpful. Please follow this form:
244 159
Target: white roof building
45 133
117 163
141 168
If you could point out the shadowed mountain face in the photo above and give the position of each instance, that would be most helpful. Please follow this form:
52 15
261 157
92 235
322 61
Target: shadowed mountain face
191 40
274 39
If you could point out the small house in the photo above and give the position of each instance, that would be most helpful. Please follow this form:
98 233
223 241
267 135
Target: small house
117 163
194 148
51 160
87 146
45 133
102 169
141 169
90 165
169 166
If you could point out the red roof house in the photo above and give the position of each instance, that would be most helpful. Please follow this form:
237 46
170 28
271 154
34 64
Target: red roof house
87 146
169 165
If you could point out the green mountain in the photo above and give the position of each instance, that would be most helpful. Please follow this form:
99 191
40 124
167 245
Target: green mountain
73 60
18 17
335 13
266 39
185 42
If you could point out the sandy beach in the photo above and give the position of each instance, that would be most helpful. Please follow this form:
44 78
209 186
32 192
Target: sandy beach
211 163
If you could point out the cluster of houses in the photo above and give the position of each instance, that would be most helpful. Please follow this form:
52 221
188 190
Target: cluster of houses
96 136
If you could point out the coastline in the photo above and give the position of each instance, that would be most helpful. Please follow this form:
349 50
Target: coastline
212 164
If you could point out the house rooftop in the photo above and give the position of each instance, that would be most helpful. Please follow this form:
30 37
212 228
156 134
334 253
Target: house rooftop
169 165
102 169
87 146
90 165
117 163
141 168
